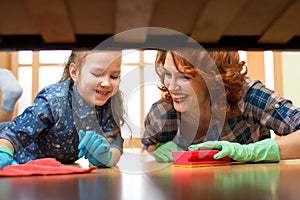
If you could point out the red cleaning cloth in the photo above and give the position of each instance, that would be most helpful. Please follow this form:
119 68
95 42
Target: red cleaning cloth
44 166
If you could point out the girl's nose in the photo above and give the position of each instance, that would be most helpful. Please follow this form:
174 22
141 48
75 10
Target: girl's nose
104 82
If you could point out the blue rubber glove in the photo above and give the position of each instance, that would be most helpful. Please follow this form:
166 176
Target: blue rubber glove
95 148
263 151
163 151
6 157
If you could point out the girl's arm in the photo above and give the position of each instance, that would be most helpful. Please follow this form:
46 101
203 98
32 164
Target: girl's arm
116 154
4 142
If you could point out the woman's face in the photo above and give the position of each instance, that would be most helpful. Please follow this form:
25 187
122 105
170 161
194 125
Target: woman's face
99 77
188 92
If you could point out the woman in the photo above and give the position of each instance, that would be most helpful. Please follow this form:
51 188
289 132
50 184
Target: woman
207 102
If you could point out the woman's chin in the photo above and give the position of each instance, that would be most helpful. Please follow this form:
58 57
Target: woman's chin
179 107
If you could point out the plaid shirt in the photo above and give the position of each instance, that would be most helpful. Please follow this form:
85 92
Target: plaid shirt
262 110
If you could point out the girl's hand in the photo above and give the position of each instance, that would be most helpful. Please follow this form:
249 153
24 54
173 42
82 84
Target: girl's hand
6 157
95 148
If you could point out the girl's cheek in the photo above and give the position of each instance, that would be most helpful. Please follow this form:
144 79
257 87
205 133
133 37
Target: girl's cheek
116 86
116 82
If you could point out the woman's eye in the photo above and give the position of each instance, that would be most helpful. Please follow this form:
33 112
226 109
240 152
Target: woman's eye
168 74
185 77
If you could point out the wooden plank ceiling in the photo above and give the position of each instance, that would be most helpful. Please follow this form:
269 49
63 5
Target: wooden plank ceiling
65 24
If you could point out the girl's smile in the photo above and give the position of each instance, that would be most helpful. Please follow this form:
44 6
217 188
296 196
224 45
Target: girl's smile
101 93
98 78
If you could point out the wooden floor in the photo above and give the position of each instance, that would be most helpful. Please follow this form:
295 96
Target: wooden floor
139 177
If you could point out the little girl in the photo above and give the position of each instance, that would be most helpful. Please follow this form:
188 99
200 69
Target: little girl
81 115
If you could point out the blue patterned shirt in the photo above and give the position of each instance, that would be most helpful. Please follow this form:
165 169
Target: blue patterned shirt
50 127
262 110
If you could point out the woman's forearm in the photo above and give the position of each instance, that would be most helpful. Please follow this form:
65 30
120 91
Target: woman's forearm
289 146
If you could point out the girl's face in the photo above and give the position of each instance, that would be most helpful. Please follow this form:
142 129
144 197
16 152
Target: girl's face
99 77
188 92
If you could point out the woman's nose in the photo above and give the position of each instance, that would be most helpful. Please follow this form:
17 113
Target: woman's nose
172 84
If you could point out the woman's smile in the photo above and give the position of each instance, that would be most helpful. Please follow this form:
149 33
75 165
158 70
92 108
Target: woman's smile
179 98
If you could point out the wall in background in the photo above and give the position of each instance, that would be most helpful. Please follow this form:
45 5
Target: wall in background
290 76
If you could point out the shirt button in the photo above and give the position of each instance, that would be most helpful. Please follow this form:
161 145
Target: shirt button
87 128
276 105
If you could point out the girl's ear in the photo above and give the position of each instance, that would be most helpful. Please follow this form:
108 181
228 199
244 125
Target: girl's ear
73 72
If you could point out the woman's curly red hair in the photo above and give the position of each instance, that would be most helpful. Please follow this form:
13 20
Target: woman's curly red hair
231 70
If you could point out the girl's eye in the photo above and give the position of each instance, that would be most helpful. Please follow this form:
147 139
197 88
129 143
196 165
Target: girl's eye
115 76
96 74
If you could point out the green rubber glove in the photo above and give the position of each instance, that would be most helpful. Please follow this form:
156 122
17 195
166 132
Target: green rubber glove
263 151
163 151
